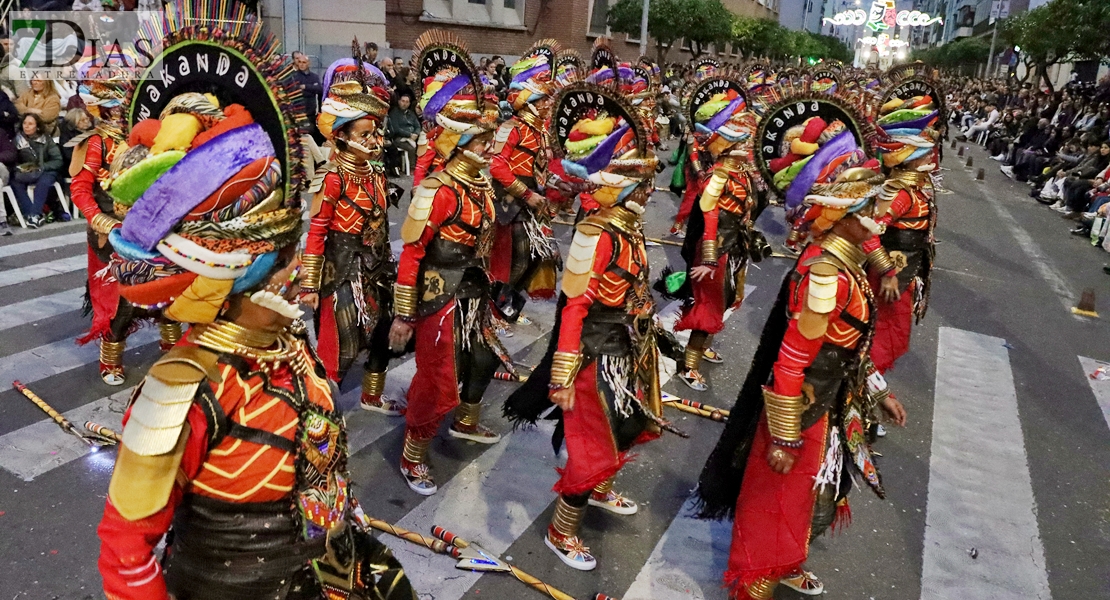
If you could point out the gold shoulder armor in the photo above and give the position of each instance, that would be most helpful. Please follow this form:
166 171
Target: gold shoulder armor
580 259
163 401
187 364
77 163
824 277
502 135
420 208
713 190
317 182
141 485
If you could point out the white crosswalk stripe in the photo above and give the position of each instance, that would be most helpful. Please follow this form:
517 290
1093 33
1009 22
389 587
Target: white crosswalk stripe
43 270
47 243
42 307
1099 387
687 562
980 491
51 359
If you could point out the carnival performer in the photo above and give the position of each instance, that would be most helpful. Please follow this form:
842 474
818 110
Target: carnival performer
721 239
799 421
524 248
348 264
903 262
443 288
602 371
113 318
695 169
233 438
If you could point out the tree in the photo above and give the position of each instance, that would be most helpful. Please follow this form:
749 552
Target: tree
700 22
1060 31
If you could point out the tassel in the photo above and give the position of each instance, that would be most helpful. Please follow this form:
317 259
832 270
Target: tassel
843 517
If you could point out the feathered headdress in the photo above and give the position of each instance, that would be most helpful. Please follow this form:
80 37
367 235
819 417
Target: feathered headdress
533 76
353 89
210 183
455 97
598 137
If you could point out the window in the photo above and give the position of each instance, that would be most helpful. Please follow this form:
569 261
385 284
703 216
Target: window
599 17
488 13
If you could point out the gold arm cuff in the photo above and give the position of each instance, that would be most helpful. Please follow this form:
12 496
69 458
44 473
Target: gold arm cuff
709 251
784 415
312 268
170 332
564 368
879 261
103 224
404 300
517 189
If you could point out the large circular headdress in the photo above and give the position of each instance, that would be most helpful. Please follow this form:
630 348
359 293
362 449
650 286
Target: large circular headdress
756 74
533 74
454 94
210 183
911 108
809 139
718 109
705 67
603 63
353 89
599 137
824 81
569 67
913 85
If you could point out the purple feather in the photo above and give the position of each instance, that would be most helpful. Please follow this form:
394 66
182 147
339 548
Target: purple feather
190 181
376 78
722 116
527 74
443 95
841 144
603 153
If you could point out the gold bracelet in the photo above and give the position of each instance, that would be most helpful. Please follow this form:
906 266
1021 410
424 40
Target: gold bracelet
709 252
517 189
312 268
404 300
564 368
880 261
103 224
784 415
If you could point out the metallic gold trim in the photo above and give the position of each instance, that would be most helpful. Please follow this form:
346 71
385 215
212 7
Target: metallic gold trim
605 487
764 589
467 414
111 353
373 383
416 451
879 260
404 300
517 189
692 357
784 415
170 332
269 349
354 169
103 224
709 252
467 171
312 269
850 254
567 519
564 368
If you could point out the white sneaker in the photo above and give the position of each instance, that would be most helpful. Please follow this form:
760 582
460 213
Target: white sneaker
614 503
1088 216
999 158
572 553
1007 171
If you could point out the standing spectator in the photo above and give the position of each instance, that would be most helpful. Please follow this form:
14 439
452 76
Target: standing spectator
386 67
372 52
42 101
402 129
310 83
40 161
8 156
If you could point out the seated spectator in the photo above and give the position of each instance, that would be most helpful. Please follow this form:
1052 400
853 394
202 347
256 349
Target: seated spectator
1080 181
404 83
402 129
39 163
982 124
1033 146
1002 134
41 100
1054 183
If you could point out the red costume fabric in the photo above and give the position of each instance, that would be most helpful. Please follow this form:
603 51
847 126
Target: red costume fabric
774 512
103 290
434 390
695 183
447 219
233 471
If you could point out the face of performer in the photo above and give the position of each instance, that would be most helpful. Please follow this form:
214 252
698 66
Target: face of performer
365 137
245 313
481 145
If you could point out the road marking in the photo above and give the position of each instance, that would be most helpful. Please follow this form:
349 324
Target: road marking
43 307
43 446
51 359
687 563
491 502
1101 389
43 270
980 493
1032 250
44 244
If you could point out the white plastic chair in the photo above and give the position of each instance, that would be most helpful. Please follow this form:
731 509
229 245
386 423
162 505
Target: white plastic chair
62 199
10 195
405 163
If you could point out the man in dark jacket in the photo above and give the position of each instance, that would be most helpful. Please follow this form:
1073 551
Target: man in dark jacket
310 81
